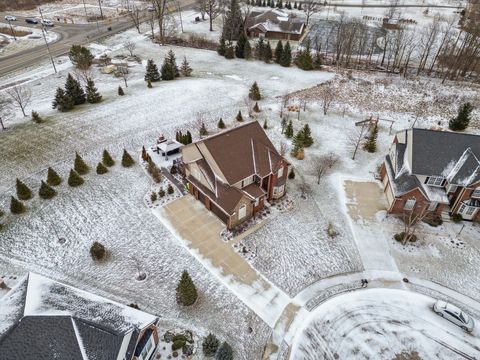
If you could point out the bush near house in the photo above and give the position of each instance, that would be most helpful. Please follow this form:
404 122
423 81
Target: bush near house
456 218
97 251
401 236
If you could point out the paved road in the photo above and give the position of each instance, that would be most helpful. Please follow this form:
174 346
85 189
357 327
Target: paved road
398 6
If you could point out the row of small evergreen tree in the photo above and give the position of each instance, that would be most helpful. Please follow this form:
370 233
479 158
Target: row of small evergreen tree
184 139
73 94
169 70
301 140
211 347
278 4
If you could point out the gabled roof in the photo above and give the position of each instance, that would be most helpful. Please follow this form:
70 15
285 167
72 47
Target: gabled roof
441 153
275 20
55 321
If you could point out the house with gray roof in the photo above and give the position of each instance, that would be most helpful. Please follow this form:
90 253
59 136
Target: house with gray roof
41 319
433 171
275 24
235 172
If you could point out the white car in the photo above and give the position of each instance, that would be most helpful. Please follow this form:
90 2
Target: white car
454 314
150 8
47 22
10 18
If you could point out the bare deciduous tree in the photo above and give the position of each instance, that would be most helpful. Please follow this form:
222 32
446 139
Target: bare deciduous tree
21 96
410 220
327 95
130 46
213 11
5 111
135 16
202 6
324 164
249 104
283 148
356 138
310 7
83 74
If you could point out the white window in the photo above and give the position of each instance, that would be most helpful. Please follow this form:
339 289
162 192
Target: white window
433 206
476 193
451 188
435 180
242 211
466 210
280 172
278 190
410 204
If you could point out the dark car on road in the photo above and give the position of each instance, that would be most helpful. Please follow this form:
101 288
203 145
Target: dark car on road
31 21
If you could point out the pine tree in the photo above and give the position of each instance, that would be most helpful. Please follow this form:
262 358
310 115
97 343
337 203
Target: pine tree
185 69
317 61
299 5
462 120
307 136
242 40
46 191
203 130
222 48
74 90
152 73
62 101
267 54
247 51
23 191
279 52
256 108
286 59
170 189
254 92
93 96
371 143
233 21
265 125
289 130
53 179
169 68
186 290
189 138
120 91
298 143
239 116
291 174
127 160
230 51
295 5
221 124
36 118
210 345
101 169
80 166
74 179
107 159
225 352
16 206
304 58
260 49
145 156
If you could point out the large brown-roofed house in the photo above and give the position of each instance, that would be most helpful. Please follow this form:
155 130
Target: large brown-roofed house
233 173
275 24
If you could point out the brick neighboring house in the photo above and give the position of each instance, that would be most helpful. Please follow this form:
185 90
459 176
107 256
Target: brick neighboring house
275 24
44 319
234 172
435 171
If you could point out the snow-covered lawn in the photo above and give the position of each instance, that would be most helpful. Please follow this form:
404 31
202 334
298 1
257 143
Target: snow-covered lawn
35 38
381 323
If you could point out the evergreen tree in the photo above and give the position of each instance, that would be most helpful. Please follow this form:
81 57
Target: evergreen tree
230 51
80 56
317 61
152 73
80 166
170 189
145 156
74 179
284 124
256 108
462 120
203 130
221 124
210 345
107 159
265 125
264 3
186 290
371 143
298 143
53 179
247 51
299 5
254 92
74 90
93 96
272 4
16 206
62 101
46 191
222 47
185 69
189 137
291 174
233 21
286 58
295 5
304 58
239 116
242 40
120 91
127 160
279 52
267 54
289 130
307 136
23 191
280 4
36 118
168 68
260 49
101 169
225 352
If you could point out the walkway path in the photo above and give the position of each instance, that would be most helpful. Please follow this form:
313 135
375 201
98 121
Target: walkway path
173 180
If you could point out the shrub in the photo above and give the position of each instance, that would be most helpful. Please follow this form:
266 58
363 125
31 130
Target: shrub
256 108
239 117
120 91
291 174
97 251
127 160
433 221
107 159
101 169
265 124
210 345
401 236
36 118
53 179
161 193
170 190
221 124
173 170
179 337
254 92
178 344
74 179
46 191
16 206
80 166
23 191
225 352
153 196
456 218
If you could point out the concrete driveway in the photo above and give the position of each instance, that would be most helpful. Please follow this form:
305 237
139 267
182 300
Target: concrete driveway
364 199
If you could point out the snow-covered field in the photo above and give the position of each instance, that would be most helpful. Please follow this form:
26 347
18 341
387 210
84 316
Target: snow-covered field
25 42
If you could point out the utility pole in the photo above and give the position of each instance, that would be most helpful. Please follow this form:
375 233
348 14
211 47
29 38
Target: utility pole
101 11
85 8
11 29
46 42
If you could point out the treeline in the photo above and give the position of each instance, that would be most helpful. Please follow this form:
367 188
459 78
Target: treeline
22 4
